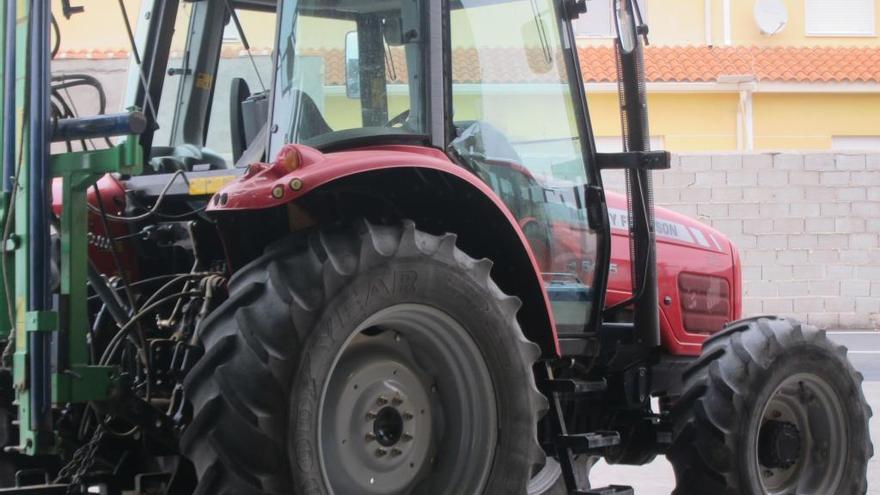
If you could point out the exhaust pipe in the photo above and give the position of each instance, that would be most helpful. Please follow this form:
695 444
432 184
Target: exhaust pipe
634 120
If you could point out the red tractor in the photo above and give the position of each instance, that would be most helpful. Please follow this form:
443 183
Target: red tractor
397 272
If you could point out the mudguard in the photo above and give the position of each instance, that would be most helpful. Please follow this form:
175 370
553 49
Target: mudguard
299 170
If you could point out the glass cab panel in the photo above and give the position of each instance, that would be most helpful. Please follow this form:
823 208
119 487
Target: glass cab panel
516 127
349 70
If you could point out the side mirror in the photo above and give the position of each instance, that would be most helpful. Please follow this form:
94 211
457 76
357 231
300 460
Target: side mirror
352 66
625 21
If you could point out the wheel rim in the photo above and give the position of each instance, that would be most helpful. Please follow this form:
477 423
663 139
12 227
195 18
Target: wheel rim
408 407
547 478
801 438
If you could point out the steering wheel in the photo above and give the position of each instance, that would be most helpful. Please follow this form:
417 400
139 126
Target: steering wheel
398 120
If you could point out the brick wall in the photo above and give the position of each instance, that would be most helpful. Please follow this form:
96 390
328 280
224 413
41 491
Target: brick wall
807 225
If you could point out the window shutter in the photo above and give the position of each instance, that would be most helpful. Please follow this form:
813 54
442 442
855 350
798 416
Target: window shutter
840 18
598 22
855 143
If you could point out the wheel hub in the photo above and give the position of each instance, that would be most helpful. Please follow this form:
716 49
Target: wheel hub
394 431
388 426
780 445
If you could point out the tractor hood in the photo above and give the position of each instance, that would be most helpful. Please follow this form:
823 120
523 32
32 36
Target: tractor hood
671 227
698 275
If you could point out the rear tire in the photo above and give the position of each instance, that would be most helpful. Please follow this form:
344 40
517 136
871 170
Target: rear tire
300 349
762 409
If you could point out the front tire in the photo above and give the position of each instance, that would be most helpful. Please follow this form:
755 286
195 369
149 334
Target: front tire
369 360
771 407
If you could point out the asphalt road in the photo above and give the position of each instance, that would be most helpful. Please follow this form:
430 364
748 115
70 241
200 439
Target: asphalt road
864 352
657 478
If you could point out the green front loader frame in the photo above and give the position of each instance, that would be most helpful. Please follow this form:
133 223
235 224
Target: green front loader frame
64 325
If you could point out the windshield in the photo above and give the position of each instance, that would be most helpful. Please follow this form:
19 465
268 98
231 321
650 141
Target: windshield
348 71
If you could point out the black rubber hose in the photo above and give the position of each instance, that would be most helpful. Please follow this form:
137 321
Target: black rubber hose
108 296
66 81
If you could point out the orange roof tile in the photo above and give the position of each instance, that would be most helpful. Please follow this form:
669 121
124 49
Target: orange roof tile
778 64
662 64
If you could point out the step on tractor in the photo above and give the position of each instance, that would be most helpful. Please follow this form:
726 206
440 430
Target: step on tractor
375 257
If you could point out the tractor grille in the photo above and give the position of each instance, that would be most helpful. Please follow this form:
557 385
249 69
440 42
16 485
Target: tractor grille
705 302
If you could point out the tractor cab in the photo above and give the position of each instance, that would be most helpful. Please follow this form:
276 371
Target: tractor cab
467 80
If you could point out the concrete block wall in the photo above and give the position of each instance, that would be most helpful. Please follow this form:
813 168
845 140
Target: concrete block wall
807 226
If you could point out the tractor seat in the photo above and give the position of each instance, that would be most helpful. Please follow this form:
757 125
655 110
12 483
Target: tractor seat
249 114
311 123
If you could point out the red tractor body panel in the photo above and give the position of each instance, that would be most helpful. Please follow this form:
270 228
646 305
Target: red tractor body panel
114 200
299 170
698 276
698 267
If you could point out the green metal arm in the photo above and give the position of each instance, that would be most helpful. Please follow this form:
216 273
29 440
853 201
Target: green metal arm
77 380
79 171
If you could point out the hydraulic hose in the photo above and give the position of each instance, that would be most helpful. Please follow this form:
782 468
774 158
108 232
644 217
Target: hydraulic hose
107 296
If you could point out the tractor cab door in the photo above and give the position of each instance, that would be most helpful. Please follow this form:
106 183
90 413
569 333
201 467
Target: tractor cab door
522 128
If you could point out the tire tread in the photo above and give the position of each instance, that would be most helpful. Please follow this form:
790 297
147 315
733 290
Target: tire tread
707 416
288 286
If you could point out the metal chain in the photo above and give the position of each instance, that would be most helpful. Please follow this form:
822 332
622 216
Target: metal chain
82 461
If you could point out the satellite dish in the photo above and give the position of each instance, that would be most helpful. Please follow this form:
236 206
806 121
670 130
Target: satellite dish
771 16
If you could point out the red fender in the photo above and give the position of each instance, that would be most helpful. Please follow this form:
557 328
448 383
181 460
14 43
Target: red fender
299 169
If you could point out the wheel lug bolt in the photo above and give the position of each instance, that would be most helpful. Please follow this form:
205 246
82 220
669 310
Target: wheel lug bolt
370 437
407 416
406 437
395 452
397 401
381 452
381 401
371 416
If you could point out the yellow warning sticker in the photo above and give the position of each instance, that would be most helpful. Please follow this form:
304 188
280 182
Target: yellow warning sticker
208 185
204 80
